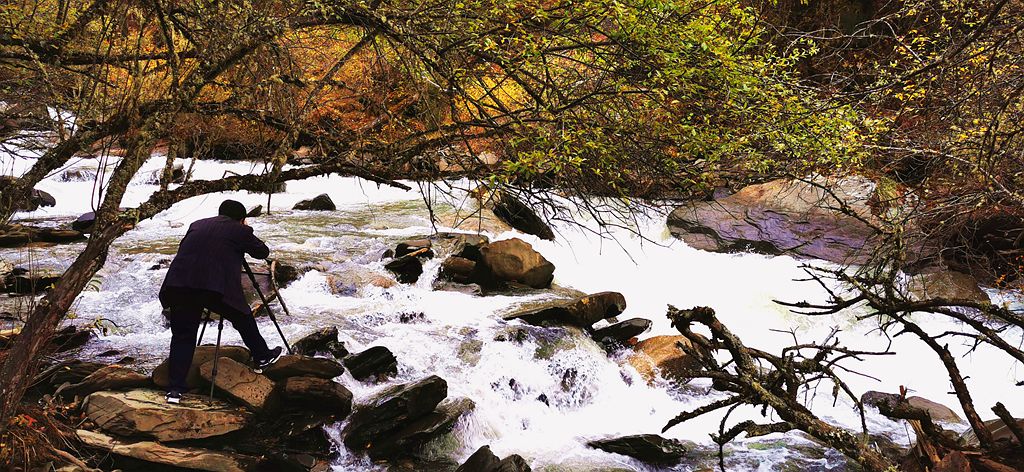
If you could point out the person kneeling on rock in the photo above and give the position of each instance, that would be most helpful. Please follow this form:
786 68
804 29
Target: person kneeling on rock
206 273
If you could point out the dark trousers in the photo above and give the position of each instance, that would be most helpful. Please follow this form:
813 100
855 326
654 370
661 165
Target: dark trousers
185 315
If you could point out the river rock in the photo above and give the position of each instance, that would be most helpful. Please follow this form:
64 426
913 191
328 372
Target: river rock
375 362
518 215
69 371
783 216
582 312
620 333
69 338
463 245
38 198
937 411
296 366
177 175
413 435
77 175
318 394
514 260
407 268
181 457
320 202
202 355
662 355
85 222
649 448
408 247
21 235
458 270
324 340
483 460
392 409
111 377
255 212
1000 432
240 383
22 281
949 284
285 274
146 413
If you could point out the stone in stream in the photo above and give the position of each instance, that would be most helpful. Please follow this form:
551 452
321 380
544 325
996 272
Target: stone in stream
649 448
77 175
464 245
22 281
937 411
483 460
949 284
620 333
582 312
324 340
662 355
518 215
177 175
254 212
111 377
407 268
239 382
1000 432
70 338
318 394
192 458
513 260
203 354
85 222
145 413
296 366
408 247
393 409
418 432
375 362
70 371
320 202
458 270
285 274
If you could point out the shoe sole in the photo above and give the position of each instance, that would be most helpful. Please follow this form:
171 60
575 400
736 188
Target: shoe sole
174 401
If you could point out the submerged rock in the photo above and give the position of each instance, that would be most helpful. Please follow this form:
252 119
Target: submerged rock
582 312
320 202
318 394
407 268
620 333
182 457
239 382
146 413
649 448
662 355
203 354
483 460
413 435
296 366
324 340
514 260
375 362
393 409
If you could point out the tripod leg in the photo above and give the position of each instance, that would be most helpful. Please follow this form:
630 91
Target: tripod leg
256 285
206 319
216 357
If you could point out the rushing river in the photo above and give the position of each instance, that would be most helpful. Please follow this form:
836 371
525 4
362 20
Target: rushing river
455 337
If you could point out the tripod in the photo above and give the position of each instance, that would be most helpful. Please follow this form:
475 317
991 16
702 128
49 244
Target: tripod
265 304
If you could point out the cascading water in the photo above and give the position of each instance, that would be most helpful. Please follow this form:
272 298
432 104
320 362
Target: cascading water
588 393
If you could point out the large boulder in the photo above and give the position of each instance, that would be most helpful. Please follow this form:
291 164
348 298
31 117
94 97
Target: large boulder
111 377
392 409
413 435
85 222
22 281
458 270
620 333
483 460
649 448
937 411
317 394
203 354
191 458
661 355
514 260
21 235
375 362
296 366
320 202
582 312
420 246
239 382
146 413
784 216
321 341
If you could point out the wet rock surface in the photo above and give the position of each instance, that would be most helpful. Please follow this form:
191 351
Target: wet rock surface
393 409
320 202
373 363
318 393
321 341
417 432
145 413
513 260
619 334
649 448
661 355
239 382
483 460
582 312
295 366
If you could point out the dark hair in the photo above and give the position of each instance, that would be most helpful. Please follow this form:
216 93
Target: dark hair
232 209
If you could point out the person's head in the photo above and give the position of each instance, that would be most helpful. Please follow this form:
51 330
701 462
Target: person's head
232 209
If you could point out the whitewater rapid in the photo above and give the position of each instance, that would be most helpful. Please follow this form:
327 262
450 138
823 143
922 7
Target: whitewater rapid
455 338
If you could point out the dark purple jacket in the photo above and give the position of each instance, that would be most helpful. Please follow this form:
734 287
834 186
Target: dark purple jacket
210 258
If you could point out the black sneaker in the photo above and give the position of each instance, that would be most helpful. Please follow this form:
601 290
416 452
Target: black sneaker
173 397
261 364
